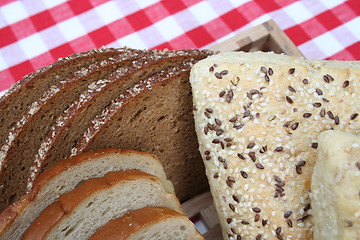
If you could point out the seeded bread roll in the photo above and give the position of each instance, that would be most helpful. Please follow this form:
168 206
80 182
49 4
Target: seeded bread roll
65 175
258 117
335 187
151 223
80 212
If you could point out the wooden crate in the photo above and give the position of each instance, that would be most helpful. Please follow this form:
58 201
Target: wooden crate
265 37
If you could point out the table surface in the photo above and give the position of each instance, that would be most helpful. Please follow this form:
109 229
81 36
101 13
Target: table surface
34 33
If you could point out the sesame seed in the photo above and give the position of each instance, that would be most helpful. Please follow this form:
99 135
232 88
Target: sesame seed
207 152
280 184
211 69
325 100
259 237
224 72
307 115
264 222
277 179
337 120
353 116
229 220
233 119
289 100
317 104
318 91
307 207
291 89
245 222
229 96
206 130
222 93
219 132
207 114
216 141
300 163
208 157
302 219
314 145
251 145
305 81
217 121
238 237
244 174
322 112
279 149
287 214
240 156
346 84
236 199
349 223
291 70
294 126
221 159
246 113
357 165
278 231
227 139
263 69
256 209
330 114
289 223
233 230
271 72
252 156
218 75
209 110
298 170
279 237
263 149
216 175
231 206
259 166
267 78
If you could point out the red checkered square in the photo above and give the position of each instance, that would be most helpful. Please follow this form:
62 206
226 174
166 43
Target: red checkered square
139 20
328 19
79 7
42 60
354 6
61 12
297 34
23 29
102 36
6 79
82 44
173 6
229 17
182 41
268 5
42 20
200 37
8 36
4 2
251 11
156 12
120 28
20 70
218 28
61 51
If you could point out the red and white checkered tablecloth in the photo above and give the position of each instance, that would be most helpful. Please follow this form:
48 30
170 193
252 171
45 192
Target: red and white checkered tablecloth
34 33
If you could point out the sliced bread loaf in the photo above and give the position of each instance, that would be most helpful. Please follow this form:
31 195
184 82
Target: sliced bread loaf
150 223
80 212
271 108
28 133
65 175
155 116
23 93
71 125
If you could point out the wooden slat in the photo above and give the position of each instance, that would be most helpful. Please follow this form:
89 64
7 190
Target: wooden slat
194 206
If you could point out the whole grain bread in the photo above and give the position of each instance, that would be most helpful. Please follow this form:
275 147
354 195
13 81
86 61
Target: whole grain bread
151 223
80 212
65 175
155 116
258 117
28 133
18 98
69 127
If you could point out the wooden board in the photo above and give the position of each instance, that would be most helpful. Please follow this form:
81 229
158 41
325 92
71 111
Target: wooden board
265 37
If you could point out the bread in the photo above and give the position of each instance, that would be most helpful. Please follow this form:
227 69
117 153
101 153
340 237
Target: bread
69 127
25 137
335 187
258 117
151 223
65 175
103 199
155 116
23 93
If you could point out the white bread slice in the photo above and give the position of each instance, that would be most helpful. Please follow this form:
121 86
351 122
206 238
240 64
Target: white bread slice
150 223
258 117
65 175
78 213
335 187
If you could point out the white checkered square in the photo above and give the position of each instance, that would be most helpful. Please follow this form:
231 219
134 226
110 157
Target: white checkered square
354 26
133 41
33 46
297 12
108 12
331 3
145 3
71 29
3 64
328 44
203 12
53 3
169 28
13 12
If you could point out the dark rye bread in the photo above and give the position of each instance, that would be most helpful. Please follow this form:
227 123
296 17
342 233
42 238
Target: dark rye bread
18 98
155 116
69 127
28 133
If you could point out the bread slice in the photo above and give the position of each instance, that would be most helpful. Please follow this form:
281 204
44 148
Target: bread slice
65 175
78 213
151 223
335 186
154 116
258 117
71 125
27 134
18 98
